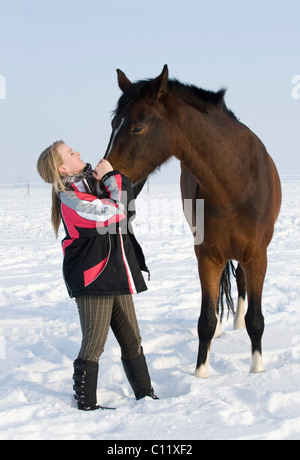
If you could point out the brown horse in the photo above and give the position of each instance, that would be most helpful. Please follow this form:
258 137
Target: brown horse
224 164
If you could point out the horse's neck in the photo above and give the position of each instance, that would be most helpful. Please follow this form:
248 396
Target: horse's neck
200 151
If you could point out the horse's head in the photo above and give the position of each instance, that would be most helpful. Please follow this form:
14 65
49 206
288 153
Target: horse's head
140 139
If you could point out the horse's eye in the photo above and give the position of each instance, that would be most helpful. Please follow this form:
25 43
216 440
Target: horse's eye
137 129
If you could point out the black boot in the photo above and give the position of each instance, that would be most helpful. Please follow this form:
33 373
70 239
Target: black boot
136 371
85 379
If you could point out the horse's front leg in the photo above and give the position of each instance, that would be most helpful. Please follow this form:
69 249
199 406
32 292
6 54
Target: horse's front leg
210 274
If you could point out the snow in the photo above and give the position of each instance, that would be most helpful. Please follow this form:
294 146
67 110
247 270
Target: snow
40 336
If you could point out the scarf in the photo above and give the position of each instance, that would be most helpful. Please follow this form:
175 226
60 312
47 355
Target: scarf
91 184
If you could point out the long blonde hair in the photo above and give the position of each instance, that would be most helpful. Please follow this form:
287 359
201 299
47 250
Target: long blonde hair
47 166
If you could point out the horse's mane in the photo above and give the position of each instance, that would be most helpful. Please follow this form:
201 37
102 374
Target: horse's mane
201 99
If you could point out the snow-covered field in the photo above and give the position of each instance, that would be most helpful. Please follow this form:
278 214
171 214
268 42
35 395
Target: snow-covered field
40 336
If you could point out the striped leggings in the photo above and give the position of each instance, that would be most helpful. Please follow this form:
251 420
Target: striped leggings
97 314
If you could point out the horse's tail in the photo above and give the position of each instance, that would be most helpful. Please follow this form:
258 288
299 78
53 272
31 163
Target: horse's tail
225 291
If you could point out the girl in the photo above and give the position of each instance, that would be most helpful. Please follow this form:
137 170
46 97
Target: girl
102 264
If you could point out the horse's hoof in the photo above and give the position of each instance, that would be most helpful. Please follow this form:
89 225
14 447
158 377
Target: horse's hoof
257 364
202 372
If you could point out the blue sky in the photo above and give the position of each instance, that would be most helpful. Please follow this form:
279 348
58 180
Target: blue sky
59 59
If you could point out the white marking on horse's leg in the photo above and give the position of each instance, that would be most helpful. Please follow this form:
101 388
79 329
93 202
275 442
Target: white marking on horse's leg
203 371
257 364
218 331
239 317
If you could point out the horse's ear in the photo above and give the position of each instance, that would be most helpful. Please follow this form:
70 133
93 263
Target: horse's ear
123 80
159 85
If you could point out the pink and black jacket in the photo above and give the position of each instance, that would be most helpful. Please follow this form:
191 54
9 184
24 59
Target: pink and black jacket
101 254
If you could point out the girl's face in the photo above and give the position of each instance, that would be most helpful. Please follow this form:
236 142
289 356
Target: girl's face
71 161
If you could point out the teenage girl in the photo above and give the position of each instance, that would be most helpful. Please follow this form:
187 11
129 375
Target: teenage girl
102 264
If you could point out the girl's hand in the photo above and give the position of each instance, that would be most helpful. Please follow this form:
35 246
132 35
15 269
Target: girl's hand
102 168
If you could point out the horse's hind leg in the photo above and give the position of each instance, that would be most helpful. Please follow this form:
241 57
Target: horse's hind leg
239 318
255 274
210 274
